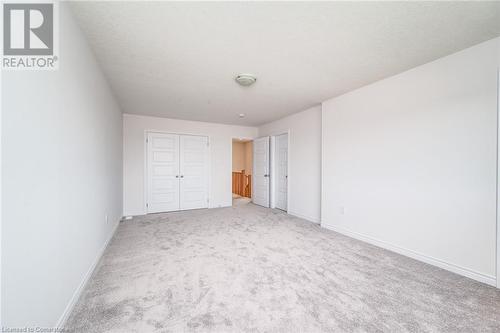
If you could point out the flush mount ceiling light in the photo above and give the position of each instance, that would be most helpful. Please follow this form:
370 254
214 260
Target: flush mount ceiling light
245 79
242 115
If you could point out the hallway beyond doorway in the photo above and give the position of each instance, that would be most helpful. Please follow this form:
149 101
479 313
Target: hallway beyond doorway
242 167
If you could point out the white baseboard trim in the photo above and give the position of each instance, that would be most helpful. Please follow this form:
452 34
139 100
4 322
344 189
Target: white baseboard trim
488 279
308 218
76 295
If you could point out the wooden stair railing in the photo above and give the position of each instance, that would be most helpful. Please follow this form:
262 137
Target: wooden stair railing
248 186
242 184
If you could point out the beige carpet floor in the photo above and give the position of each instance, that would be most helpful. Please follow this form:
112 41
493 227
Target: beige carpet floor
252 269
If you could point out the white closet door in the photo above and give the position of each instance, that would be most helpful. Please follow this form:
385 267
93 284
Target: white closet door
281 171
193 172
260 177
162 172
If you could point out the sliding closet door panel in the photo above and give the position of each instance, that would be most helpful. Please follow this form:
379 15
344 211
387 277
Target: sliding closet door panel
162 172
194 172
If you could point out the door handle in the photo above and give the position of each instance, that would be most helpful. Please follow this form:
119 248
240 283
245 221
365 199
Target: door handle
182 176
176 176
266 175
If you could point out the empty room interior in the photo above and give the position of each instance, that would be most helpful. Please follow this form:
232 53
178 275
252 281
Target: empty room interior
250 166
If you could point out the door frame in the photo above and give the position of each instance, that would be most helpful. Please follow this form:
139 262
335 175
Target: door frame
145 165
231 163
272 170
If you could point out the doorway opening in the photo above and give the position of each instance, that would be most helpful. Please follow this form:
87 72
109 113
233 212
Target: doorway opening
242 170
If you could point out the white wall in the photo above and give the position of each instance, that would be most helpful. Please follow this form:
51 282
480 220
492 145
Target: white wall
304 160
412 161
1 200
220 137
62 173
498 170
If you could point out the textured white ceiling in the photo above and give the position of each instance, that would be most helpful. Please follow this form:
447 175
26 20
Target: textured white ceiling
179 59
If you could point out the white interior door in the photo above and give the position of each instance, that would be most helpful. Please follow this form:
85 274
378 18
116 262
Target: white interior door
193 172
281 181
260 177
162 172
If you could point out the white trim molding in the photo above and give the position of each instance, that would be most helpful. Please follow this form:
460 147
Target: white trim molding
488 279
78 292
307 218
